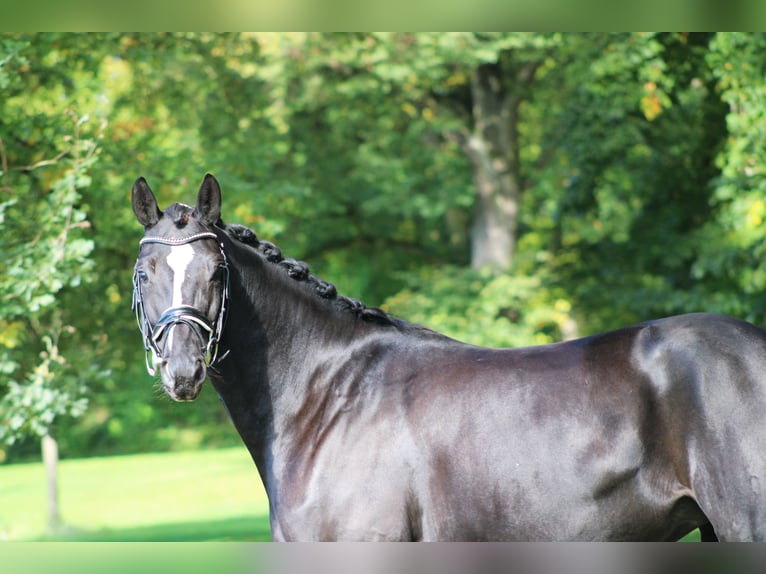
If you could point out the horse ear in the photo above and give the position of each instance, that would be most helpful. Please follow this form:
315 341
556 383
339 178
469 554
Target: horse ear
145 204
209 200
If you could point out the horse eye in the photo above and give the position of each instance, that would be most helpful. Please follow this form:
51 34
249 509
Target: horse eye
142 276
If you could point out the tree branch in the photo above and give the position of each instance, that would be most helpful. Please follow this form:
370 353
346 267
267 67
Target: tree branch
43 163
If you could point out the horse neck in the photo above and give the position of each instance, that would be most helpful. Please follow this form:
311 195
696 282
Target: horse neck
277 332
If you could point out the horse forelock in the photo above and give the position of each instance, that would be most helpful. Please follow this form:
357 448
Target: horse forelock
180 214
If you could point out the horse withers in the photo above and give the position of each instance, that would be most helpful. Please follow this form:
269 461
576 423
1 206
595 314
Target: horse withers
366 427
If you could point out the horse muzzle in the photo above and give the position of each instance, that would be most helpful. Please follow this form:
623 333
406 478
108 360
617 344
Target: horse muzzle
183 377
185 336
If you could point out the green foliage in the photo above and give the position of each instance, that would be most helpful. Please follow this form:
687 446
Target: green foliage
30 408
46 156
482 308
635 179
732 242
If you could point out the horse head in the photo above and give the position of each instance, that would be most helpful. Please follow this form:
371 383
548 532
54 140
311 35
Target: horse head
180 287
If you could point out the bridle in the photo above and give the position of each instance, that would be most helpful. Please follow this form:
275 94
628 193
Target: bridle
186 314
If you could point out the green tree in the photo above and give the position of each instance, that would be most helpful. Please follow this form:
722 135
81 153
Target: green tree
633 178
617 176
45 157
729 271
396 106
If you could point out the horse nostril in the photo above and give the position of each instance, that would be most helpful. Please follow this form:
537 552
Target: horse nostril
199 372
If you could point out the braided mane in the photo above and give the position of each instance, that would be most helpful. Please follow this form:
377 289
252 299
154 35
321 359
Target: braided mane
299 271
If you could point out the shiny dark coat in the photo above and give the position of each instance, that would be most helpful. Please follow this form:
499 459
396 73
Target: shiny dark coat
364 427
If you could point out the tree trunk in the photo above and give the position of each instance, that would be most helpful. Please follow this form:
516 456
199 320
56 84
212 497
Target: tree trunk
50 460
493 233
497 91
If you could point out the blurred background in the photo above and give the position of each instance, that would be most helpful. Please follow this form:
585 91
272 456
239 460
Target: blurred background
503 188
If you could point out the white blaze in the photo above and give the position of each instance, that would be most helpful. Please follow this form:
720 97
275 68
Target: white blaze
178 260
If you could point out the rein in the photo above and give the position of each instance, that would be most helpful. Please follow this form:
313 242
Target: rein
186 314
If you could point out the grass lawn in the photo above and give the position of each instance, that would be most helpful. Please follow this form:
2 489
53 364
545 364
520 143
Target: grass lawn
185 496
172 497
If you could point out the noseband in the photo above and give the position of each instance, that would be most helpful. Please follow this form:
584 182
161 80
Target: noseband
196 320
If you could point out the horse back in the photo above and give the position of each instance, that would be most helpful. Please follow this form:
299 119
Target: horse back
610 436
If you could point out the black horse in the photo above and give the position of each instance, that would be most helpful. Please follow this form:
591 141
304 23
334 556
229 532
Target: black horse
366 427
